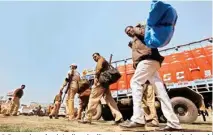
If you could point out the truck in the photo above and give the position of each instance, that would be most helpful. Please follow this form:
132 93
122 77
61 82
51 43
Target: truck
187 74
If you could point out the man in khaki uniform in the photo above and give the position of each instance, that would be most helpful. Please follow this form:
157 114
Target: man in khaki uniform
147 63
98 91
18 93
71 80
49 109
57 105
148 104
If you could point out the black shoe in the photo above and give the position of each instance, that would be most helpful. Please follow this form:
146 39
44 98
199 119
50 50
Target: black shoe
131 124
167 128
56 117
15 115
118 121
50 116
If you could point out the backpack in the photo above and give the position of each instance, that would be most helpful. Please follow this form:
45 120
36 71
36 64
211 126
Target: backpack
160 24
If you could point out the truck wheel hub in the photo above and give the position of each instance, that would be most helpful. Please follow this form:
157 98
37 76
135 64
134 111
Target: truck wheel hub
181 110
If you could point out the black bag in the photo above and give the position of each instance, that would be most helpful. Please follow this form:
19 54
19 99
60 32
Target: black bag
109 76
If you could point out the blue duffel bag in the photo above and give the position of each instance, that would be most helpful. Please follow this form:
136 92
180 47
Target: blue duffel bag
160 24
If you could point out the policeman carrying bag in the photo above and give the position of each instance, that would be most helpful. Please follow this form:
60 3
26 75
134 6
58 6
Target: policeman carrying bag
109 76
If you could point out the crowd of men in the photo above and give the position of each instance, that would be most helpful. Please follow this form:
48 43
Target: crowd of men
145 84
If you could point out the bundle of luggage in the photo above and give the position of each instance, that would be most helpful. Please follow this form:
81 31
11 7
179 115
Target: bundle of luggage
84 88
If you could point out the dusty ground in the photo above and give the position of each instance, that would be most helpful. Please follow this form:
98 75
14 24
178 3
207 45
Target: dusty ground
44 124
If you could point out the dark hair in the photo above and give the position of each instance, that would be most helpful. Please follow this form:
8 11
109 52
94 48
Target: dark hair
96 54
128 27
22 85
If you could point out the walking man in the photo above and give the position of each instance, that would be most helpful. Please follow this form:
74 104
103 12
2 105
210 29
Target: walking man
71 81
147 63
98 91
57 105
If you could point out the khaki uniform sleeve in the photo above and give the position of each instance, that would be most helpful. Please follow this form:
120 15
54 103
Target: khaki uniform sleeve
99 66
65 81
63 85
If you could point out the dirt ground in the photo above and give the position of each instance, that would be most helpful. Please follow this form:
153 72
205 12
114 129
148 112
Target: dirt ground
44 124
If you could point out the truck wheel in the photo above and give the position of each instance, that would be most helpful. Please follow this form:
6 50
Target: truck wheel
97 113
106 113
185 109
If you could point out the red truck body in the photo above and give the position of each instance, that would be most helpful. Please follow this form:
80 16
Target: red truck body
182 65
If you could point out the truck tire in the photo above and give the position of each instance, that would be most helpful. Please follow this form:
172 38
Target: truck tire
185 109
97 114
106 113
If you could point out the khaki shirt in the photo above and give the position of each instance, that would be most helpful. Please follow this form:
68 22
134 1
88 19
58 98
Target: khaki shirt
139 50
75 79
76 75
102 65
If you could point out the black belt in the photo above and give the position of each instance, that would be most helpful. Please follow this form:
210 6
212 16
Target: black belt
148 57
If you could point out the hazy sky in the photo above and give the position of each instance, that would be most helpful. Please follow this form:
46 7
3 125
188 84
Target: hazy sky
39 40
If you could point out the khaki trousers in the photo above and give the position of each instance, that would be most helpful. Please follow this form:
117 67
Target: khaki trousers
70 102
148 104
97 93
14 106
80 108
55 109
67 108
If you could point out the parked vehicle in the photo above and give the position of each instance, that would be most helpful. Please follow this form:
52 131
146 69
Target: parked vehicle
62 111
24 110
187 74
